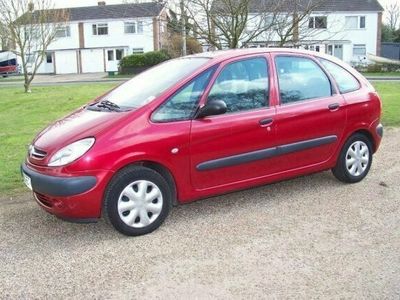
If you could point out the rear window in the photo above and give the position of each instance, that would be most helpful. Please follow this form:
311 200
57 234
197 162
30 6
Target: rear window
345 81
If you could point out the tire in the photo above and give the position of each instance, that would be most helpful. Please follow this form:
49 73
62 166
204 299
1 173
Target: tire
137 201
354 160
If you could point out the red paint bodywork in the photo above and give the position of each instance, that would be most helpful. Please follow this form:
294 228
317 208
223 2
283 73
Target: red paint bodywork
131 137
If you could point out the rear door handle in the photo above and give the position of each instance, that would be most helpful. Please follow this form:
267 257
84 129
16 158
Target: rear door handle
266 122
333 106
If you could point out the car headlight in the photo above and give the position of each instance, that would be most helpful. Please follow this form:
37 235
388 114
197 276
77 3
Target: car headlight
71 152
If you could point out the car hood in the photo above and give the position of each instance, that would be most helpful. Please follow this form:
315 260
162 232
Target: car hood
78 125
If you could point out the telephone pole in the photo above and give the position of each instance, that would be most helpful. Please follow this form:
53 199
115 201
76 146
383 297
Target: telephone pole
183 24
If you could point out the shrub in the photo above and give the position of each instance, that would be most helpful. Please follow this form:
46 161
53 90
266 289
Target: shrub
141 60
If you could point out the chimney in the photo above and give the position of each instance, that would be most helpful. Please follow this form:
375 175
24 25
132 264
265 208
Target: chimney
101 3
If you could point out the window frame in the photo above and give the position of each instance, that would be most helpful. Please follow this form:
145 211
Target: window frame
333 78
360 46
313 19
235 60
213 70
359 17
66 29
332 82
96 27
131 23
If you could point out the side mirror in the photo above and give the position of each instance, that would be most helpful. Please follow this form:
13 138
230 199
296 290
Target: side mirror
215 107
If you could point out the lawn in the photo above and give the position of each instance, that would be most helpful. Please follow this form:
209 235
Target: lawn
381 74
23 115
390 94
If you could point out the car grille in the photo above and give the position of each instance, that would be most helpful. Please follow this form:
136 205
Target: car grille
36 153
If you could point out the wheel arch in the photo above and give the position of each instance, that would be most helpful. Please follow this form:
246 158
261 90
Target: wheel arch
160 169
368 135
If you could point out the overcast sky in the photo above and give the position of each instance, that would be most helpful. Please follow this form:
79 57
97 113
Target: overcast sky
75 3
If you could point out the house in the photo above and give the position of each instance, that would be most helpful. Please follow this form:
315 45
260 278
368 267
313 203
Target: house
347 29
96 38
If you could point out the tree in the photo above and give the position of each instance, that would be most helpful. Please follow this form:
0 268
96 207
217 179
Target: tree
31 25
236 23
393 16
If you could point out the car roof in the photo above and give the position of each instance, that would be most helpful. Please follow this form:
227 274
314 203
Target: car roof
221 55
231 53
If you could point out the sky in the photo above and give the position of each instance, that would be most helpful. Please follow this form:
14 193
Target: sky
75 3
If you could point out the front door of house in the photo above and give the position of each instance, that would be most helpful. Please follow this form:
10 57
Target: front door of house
113 57
335 50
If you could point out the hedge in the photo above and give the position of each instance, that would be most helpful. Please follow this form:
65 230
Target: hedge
143 60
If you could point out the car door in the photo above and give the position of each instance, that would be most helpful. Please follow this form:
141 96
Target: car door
233 147
311 115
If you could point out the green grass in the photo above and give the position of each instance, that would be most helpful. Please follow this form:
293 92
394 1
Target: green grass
390 94
116 76
381 74
22 116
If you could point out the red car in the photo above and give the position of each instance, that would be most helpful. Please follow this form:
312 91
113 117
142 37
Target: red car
204 125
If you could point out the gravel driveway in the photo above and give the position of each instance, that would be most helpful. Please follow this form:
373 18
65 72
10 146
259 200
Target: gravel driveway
308 237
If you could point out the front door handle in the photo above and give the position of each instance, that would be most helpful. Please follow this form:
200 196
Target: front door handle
266 122
333 106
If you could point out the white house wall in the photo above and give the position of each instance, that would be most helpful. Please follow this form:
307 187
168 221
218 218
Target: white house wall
336 33
93 56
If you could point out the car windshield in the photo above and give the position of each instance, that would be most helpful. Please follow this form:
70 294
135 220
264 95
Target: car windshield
146 86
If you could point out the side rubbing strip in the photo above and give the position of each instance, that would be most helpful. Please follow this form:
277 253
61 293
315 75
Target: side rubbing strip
265 153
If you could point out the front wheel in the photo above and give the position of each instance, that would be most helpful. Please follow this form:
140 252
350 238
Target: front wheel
137 201
355 159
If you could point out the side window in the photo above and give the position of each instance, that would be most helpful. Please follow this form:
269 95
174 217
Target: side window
345 81
301 79
182 105
243 85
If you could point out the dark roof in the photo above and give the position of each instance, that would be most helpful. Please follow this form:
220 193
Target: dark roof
115 11
320 5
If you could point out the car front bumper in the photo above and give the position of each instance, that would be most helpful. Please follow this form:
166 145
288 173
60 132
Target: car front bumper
76 197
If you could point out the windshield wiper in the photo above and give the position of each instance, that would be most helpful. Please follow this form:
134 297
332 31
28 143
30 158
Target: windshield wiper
109 105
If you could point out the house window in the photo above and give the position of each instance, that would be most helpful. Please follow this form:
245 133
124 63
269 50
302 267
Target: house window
317 22
110 55
137 50
130 27
140 26
63 31
355 22
119 54
359 50
100 29
49 57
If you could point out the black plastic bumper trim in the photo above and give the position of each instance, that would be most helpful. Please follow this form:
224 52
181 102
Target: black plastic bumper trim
58 186
265 153
379 130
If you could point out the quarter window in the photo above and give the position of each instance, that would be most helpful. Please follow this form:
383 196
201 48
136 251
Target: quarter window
183 104
345 81
301 79
242 85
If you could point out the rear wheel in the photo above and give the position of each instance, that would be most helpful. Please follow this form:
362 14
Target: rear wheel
137 201
354 160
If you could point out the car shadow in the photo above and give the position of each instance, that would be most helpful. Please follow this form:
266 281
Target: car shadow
38 226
